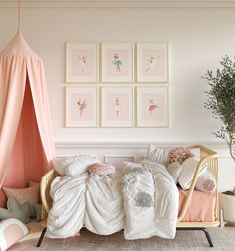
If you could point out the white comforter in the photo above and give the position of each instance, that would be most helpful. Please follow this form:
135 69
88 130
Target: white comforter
143 202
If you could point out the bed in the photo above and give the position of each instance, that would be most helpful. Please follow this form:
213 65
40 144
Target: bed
206 155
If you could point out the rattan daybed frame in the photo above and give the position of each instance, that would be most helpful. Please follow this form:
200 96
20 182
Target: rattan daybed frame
206 155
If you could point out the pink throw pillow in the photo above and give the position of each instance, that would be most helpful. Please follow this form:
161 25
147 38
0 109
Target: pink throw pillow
30 194
102 169
206 182
179 154
33 183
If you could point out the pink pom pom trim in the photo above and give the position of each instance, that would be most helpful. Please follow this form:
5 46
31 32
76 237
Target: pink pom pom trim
102 169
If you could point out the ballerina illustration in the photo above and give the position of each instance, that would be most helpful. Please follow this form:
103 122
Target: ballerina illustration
82 60
152 106
151 62
117 106
82 106
117 62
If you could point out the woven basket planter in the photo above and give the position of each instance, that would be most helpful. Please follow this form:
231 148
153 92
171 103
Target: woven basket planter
227 203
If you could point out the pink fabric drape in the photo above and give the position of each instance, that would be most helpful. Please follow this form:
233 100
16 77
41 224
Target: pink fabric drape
26 143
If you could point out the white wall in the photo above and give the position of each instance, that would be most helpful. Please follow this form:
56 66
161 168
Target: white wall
197 37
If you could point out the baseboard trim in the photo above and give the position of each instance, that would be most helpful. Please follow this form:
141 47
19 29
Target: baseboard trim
118 4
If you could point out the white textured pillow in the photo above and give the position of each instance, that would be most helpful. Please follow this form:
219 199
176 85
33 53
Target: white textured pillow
80 166
206 182
157 154
186 176
60 163
175 170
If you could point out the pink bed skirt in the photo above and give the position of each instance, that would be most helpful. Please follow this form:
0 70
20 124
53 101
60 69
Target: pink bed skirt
201 207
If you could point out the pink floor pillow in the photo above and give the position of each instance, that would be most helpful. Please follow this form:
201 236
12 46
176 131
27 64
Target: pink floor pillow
102 169
11 231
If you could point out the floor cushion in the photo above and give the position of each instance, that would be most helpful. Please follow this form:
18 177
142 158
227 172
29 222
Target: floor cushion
11 231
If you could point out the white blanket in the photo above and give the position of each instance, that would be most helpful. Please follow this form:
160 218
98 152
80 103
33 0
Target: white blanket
151 203
65 218
104 208
144 202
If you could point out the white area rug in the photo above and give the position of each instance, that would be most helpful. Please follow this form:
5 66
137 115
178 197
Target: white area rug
223 239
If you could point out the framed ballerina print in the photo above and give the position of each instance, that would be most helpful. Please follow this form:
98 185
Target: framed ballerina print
82 106
81 62
152 107
152 62
117 106
117 62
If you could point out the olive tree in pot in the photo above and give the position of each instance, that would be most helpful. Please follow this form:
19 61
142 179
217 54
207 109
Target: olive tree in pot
221 101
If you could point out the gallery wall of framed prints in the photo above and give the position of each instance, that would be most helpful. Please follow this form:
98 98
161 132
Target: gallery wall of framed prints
117 85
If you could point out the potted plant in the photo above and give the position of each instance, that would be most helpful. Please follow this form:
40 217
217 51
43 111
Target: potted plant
221 101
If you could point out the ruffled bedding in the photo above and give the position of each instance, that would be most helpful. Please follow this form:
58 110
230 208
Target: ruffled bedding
141 199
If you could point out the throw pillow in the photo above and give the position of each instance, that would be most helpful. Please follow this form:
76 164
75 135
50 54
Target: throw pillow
11 231
180 154
33 183
187 174
80 166
30 194
60 163
102 169
15 210
206 182
38 210
175 170
157 154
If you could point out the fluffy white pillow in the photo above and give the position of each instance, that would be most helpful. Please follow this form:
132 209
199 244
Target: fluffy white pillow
206 182
157 154
175 170
80 166
186 176
60 163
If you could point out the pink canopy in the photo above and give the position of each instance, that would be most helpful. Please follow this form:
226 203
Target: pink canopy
26 144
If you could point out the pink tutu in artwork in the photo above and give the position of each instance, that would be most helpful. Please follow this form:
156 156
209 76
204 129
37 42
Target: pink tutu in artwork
152 107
